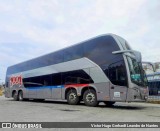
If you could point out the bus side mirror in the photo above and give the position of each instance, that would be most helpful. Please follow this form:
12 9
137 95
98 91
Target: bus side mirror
130 53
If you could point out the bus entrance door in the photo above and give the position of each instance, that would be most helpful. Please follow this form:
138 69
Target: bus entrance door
118 77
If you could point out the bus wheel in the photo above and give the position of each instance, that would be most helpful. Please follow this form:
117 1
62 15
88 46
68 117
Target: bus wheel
15 96
20 96
109 103
90 98
72 97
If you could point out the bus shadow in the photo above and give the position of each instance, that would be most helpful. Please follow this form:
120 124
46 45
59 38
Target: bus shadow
123 107
116 106
50 102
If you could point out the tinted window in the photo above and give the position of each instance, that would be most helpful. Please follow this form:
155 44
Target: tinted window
45 80
116 72
71 77
100 50
32 82
74 52
56 57
76 77
56 79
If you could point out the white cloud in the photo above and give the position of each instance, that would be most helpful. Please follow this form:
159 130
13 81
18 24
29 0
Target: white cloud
48 25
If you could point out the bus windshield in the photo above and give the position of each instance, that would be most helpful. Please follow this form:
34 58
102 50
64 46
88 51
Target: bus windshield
136 72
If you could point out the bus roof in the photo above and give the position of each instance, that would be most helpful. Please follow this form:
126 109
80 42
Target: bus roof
59 52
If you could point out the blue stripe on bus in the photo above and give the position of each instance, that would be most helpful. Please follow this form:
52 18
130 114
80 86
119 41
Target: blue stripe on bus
44 87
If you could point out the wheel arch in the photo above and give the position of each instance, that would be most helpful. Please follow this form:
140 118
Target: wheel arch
87 88
14 91
68 89
20 91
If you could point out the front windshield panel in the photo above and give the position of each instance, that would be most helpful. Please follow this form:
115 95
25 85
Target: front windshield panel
136 72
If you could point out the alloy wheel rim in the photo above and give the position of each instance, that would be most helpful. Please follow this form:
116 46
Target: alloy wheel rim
72 96
90 97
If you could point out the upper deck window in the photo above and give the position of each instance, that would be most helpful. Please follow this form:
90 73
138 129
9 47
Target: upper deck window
100 50
74 52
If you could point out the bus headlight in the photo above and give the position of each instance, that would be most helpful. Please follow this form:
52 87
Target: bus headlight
146 97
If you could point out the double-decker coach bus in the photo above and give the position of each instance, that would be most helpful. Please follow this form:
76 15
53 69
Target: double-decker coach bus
101 69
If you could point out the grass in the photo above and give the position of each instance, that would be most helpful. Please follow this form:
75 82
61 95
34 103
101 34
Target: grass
1 91
154 101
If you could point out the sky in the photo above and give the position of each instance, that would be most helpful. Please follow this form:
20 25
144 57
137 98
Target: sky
31 28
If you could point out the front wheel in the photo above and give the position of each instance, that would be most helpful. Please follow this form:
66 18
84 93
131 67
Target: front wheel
90 98
72 97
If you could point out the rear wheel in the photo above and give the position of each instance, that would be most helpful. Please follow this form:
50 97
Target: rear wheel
15 96
90 98
72 97
20 96
109 103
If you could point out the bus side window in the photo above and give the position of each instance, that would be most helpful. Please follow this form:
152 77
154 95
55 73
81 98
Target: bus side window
56 79
117 73
72 53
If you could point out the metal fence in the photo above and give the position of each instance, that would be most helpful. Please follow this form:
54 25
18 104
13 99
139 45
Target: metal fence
154 90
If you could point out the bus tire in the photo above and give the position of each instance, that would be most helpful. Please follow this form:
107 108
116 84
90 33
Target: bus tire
20 96
15 96
109 103
90 98
72 97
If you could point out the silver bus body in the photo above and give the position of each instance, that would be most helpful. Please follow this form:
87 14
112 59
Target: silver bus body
82 73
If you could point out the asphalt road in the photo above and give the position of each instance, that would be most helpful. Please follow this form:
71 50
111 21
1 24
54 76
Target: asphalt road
58 111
